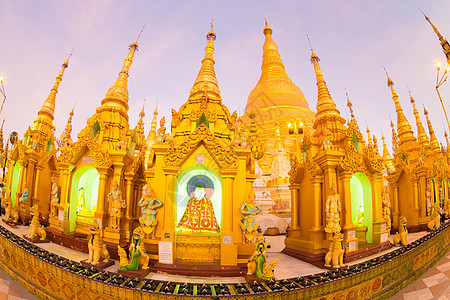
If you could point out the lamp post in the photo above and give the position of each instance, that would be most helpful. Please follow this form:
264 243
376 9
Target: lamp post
439 82
296 128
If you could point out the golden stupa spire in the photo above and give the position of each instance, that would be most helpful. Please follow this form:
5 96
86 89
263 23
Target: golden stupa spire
405 133
421 135
369 138
394 137
117 95
385 150
325 104
206 80
140 124
448 145
433 141
65 138
375 144
444 43
47 110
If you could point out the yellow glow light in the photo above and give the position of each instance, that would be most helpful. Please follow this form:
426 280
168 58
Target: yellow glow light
1 78
301 124
438 64
289 125
447 69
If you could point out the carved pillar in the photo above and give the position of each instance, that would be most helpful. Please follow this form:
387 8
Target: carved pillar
39 169
102 195
346 200
395 214
416 203
228 205
294 205
169 201
377 198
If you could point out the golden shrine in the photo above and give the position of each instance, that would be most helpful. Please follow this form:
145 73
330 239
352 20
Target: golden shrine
188 193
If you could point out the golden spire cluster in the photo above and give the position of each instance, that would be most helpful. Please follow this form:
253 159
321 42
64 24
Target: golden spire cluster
444 43
326 107
65 138
47 110
206 80
421 135
433 141
405 133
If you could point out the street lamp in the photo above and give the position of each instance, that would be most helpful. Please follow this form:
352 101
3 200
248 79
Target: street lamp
439 82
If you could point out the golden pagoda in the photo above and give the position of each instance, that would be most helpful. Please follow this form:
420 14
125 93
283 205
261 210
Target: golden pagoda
418 178
281 114
336 186
203 151
33 161
107 152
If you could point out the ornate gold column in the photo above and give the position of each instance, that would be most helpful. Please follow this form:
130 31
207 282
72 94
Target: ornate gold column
350 239
318 211
169 201
395 214
294 205
415 220
102 196
228 251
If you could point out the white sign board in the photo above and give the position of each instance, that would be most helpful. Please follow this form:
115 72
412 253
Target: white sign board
227 239
352 246
351 234
61 215
200 159
165 254
384 237
88 160
383 227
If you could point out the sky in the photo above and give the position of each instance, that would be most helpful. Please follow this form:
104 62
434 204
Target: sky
354 40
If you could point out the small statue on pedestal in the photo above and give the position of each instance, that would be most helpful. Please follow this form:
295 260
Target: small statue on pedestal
249 224
116 204
54 199
149 203
332 211
359 221
138 257
81 202
335 254
386 203
258 261
401 238
11 214
97 249
35 226
435 221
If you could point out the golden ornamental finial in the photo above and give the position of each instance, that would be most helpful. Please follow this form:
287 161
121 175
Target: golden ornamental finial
349 105
142 113
211 34
66 63
267 30
390 82
313 55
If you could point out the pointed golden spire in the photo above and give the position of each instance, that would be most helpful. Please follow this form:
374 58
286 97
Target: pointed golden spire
405 133
47 110
154 123
206 80
325 104
1 136
117 95
369 138
386 154
444 43
433 141
65 138
421 135
375 144
394 137
140 124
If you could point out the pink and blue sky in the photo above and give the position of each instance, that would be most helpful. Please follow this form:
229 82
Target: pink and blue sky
354 40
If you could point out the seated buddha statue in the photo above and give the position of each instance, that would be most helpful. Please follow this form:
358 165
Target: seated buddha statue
199 213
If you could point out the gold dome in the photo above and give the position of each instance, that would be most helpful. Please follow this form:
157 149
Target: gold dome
274 88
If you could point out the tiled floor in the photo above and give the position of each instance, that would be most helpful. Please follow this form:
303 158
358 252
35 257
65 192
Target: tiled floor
434 284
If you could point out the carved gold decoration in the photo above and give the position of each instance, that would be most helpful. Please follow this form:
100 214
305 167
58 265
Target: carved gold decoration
227 157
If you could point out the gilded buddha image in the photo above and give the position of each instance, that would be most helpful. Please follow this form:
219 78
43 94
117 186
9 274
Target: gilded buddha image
199 213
